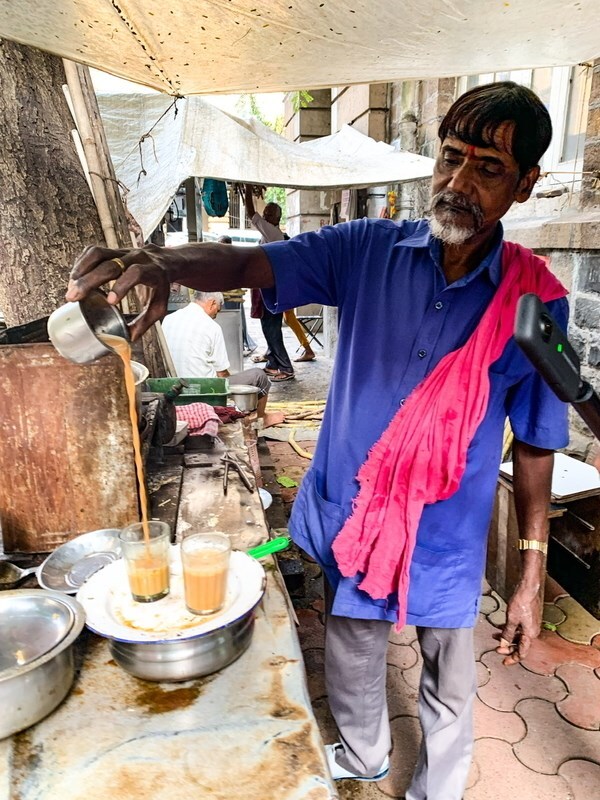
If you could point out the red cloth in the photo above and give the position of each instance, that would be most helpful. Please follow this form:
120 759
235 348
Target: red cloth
421 456
229 413
200 417
257 306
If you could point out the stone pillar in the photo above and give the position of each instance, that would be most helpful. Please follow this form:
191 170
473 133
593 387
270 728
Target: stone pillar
590 194
307 210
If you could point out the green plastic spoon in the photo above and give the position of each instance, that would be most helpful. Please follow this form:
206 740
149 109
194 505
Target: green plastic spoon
272 546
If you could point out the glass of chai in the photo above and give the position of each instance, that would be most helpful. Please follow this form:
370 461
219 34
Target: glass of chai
205 559
147 559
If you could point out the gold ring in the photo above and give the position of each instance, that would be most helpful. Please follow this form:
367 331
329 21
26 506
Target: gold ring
120 264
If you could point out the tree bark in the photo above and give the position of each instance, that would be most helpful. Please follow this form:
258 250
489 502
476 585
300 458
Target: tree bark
47 213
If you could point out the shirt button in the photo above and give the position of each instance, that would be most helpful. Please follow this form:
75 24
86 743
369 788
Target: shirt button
402 401
439 305
422 353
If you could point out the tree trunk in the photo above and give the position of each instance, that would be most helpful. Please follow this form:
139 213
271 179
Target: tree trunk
47 213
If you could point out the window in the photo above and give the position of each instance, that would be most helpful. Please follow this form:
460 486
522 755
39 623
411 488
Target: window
565 91
234 208
576 116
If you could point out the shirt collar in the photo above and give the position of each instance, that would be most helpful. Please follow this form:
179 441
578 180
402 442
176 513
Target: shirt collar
492 263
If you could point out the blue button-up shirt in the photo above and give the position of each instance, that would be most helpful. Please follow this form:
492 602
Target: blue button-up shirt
398 317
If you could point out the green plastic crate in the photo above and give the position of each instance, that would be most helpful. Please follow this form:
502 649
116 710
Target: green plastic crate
200 390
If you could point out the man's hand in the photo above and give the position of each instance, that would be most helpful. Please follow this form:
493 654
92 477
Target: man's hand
128 268
523 622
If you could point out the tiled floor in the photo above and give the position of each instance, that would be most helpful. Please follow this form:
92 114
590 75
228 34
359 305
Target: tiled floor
537 725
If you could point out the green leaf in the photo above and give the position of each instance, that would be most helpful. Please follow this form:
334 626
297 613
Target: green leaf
549 626
288 483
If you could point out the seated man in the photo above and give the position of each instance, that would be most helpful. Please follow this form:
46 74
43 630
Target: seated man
197 347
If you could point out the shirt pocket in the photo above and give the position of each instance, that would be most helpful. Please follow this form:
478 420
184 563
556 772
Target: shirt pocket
323 519
437 579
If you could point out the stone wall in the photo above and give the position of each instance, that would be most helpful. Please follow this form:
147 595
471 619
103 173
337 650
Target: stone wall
416 110
306 210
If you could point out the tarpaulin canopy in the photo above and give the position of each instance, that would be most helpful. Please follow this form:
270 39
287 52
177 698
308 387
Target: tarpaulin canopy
210 46
201 140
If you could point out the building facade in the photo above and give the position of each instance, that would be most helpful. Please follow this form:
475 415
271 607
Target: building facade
561 221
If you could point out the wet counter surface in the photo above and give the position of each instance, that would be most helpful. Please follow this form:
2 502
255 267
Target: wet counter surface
247 731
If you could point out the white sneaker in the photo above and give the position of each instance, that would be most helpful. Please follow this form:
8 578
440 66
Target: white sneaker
338 773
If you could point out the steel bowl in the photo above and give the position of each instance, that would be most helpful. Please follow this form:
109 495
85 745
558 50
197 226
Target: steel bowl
186 659
71 564
37 632
244 396
74 328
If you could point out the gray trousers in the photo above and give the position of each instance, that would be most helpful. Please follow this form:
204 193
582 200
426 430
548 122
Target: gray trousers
252 377
355 672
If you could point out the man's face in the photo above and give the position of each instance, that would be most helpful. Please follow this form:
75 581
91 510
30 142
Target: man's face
213 308
473 187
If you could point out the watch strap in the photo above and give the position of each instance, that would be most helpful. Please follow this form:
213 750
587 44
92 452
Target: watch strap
533 544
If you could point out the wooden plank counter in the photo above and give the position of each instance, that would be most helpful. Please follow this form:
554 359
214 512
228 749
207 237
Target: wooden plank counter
247 731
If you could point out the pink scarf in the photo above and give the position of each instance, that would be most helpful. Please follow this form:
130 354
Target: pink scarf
421 456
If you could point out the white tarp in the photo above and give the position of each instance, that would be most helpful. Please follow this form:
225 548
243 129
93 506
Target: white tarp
203 141
210 46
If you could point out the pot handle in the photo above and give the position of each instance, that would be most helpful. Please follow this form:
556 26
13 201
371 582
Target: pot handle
272 546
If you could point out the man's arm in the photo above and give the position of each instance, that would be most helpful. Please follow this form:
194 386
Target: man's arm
532 481
249 200
204 266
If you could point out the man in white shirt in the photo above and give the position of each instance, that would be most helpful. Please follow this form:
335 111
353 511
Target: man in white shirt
197 346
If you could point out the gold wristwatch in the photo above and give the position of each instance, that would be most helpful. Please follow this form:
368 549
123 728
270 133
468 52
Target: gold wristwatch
533 544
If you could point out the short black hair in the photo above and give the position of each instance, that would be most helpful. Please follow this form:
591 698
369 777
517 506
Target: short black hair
476 116
225 239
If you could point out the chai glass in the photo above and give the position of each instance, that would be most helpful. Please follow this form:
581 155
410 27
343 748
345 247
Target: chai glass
205 560
147 560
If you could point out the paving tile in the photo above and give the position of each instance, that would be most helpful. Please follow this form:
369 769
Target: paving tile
401 698
406 737
314 662
327 726
549 651
402 656
553 614
553 590
583 778
483 637
508 685
581 707
311 630
318 604
353 790
492 724
580 626
485 587
498 617
500 775
550 740
413 675
407 635
488 604
483 673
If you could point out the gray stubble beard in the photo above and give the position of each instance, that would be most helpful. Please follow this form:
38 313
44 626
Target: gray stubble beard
449 232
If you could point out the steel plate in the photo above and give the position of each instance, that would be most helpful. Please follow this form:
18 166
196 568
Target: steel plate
73 563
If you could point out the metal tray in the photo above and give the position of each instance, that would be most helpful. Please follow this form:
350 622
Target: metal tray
70 565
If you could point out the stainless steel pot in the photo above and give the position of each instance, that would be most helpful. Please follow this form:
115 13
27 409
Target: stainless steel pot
185 659
244 396
37 632
74 327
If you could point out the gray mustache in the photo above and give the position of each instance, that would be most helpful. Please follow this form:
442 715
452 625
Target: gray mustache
458 201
